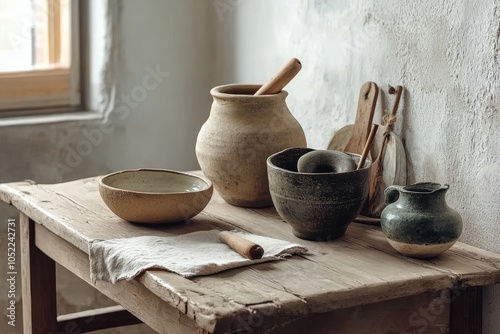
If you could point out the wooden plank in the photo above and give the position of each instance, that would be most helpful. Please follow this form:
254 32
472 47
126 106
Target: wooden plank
92 320
38 284
467 311
133 296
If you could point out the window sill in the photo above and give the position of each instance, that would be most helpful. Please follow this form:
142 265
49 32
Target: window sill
51 119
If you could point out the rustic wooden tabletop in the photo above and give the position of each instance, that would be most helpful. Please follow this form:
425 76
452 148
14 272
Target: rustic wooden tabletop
358 269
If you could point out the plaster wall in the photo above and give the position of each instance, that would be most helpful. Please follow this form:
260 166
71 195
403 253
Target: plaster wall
445 53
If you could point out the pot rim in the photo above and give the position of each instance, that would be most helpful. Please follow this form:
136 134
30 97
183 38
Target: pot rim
221 92
368 163
426 187
102 181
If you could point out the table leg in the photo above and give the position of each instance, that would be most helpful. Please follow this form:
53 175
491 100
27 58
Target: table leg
38 284
466 310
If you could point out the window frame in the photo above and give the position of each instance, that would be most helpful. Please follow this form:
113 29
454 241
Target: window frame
49 90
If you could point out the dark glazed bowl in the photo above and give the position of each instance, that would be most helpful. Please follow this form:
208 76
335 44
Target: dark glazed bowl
318 206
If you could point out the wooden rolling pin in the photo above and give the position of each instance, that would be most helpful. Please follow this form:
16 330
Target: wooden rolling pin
241 245
281 79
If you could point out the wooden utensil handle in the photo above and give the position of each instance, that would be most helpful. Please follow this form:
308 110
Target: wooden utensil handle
398 91
242 246
281 79
367 147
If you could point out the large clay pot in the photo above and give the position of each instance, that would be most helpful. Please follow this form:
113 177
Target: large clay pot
242 131
417 221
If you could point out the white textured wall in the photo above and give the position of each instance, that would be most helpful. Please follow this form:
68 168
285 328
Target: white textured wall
445 53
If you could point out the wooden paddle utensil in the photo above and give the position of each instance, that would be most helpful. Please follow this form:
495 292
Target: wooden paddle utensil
389 167
352 138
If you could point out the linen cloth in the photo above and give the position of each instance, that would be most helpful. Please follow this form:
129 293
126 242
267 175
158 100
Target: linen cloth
193 254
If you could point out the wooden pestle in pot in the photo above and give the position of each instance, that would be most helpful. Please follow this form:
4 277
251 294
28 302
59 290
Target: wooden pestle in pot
281 79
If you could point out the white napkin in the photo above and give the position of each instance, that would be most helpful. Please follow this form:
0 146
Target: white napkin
192 254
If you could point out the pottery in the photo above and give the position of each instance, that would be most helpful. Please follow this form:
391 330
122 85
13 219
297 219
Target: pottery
242 131
155 195
325 161
318 206
417 221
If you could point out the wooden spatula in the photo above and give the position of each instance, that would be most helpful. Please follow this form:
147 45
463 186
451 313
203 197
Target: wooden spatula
364 117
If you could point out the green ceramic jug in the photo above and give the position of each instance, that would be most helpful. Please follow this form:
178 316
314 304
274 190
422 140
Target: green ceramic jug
417 222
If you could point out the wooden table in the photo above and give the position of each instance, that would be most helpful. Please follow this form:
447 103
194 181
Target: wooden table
357 284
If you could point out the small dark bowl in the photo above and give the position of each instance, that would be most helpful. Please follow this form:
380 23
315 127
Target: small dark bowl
318 206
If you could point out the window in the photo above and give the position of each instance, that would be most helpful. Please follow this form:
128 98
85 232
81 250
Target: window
39 55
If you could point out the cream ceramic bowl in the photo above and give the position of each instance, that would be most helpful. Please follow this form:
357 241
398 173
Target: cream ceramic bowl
155 195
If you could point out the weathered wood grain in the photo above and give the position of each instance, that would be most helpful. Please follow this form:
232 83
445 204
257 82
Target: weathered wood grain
361 268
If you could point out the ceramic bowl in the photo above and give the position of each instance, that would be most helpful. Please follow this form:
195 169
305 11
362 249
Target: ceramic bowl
318 206
155 195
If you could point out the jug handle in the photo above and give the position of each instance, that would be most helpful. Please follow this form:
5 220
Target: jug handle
391 194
